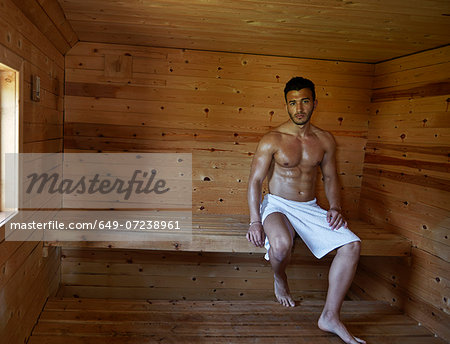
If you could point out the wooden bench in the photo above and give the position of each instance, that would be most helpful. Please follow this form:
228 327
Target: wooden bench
226 233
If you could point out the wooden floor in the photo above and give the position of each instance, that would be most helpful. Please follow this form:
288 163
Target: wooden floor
72 320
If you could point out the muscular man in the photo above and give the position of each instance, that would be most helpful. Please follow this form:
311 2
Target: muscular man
289 157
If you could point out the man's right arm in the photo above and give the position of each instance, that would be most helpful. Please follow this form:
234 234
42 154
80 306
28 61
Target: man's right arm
259 169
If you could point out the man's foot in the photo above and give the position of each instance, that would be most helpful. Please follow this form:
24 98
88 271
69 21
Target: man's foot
282 292
330 323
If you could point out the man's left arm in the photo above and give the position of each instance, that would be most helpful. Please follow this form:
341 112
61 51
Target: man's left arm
331 183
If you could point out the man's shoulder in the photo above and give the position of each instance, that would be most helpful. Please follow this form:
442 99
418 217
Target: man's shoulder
274 134
324 136
269 139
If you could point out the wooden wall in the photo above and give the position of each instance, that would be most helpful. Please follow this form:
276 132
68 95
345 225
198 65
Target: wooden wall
169 275
27 278
215 105
406 184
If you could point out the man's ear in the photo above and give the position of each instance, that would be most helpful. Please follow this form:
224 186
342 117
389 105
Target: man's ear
315 104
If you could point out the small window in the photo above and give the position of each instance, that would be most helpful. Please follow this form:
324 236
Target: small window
9 143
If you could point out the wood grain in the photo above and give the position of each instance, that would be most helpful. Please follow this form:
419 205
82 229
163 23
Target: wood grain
177 321
405 185
208 104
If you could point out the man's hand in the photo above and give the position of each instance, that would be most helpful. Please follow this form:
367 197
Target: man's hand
335 219
256 235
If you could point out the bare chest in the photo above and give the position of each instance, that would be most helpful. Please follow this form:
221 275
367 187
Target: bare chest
293 153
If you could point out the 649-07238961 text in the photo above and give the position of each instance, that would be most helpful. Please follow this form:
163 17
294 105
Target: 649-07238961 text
128 225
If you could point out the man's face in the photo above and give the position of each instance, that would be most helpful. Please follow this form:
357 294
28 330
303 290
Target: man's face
300 105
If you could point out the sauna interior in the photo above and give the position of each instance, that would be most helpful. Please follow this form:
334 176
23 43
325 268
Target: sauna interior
206 77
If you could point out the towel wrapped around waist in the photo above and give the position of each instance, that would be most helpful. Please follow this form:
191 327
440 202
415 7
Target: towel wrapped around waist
310 222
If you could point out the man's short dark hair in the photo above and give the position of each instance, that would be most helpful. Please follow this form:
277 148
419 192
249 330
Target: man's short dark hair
298 83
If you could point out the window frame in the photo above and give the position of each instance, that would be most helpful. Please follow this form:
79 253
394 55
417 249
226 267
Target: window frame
12 62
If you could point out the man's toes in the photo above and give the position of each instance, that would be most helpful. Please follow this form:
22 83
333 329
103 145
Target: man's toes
359 340
280 300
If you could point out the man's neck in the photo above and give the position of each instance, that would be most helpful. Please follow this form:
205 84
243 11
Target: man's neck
300 131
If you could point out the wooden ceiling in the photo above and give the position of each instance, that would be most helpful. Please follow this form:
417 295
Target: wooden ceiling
346 30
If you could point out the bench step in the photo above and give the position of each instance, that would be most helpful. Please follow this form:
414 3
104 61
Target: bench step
226 233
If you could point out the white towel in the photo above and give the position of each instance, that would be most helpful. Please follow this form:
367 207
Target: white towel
310 222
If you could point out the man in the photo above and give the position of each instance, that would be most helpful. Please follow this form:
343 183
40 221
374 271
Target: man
289 157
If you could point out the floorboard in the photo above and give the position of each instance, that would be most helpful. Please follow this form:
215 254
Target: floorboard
76 321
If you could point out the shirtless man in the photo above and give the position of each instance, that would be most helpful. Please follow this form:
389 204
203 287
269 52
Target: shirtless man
289 157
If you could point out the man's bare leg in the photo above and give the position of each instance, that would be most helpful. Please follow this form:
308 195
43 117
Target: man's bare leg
280 234
340 278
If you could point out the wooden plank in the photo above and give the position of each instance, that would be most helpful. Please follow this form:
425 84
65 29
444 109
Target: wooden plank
396 192
144 106
308 270
79 318
429 286
373 243
412 91
413 106
38 339
314 48
23 35
174 293
416 180
219 92
53 9
430 57
26 50
222 119
408 120
22 304
232 330
10 58
48 99
52 81
198 135
126 305
417 308
420 218
36 14
276 35
41 132
362 9
373 212
191 285
413 78
41 114
233 316
75 314
127 16
44 146
23 331
237 260
163 144
418 136
438 198
148 71
88 50
16 259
